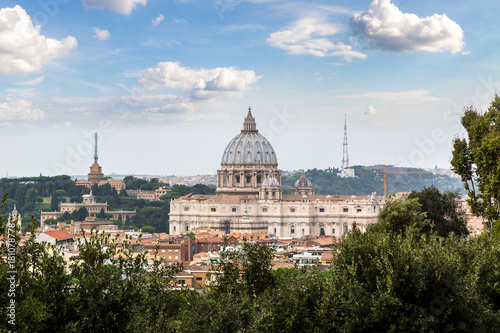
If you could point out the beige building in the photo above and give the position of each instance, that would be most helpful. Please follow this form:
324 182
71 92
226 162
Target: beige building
150 195
249 181
475 223
89 203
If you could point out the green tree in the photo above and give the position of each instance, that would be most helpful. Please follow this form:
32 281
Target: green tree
29 203
475 159
102 214
401 215
54 202
442 210
148 228
246 270
66 216
82 214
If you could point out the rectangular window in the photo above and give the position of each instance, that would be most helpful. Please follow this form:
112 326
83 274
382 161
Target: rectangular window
345 210
176 257
233 209
162 250
181 282
170 257
176 250
249 179
292 231
186 209
237 179
259 179
264 209
213 209
199 279
292 210
358 210
321 210
169 250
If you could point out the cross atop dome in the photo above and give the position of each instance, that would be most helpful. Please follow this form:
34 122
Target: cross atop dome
249 124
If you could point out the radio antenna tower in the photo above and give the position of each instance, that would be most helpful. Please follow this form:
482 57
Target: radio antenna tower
345 154
95 149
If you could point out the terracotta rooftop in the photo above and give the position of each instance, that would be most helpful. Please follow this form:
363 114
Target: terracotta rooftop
327 256
197 268
60 234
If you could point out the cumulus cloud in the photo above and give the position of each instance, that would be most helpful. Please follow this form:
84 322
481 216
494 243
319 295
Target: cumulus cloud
101 34
12 109
386 28
22 48
197 83
158 20
124 7
370 110
312 36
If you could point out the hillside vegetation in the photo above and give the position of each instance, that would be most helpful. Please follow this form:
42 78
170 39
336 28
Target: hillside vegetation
367 182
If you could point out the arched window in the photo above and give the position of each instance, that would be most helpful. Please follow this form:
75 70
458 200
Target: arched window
187 228
333 231
292 229
346 229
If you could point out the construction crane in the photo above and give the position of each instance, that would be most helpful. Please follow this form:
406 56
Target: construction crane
385 173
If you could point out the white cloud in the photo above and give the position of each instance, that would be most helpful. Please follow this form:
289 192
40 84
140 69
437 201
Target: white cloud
385 27
197 83
179 21
101 34
22 48
403 96
32 82
12 109
124 7
312 36
23 92
158 20
370 110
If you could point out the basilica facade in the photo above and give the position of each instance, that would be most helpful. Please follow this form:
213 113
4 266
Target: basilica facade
249 189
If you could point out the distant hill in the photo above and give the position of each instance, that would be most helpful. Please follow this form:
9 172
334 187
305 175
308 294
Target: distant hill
367 182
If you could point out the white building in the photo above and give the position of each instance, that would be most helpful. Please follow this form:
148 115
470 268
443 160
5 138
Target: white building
249 180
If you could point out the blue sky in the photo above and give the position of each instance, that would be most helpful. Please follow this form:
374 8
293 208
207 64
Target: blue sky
167 83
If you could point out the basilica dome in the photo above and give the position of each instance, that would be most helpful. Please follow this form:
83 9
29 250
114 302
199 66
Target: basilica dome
303 181
270 181
249 147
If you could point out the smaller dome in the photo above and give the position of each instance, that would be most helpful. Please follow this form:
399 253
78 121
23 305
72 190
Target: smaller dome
270 181
353 196
304 196
303 181
328 196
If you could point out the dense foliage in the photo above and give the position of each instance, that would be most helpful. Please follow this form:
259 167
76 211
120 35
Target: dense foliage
367 182
396 277
30 195
475 159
